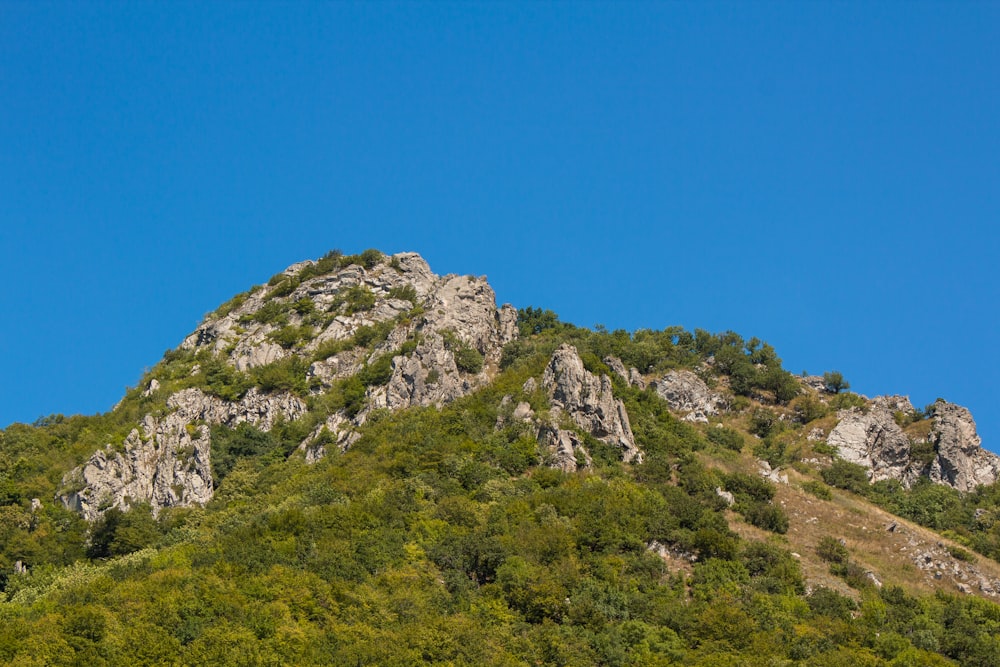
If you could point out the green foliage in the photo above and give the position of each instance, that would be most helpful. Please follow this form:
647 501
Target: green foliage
832 550
818 489
117 533
808 408
467 358
288 374
404 292
764 422
768 517
377 372
292 336
230 445
532 321
436 538
848 476
830 603
835 383
354 299
961 554
220 379
847 400
727 438
272 312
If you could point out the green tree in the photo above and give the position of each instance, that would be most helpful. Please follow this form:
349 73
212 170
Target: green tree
834 382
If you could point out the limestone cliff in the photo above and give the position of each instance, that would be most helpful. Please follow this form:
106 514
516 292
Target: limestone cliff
951 454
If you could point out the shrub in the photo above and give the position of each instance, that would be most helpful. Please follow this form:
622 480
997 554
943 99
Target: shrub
808 409
725 437
117 533
406 293
768 516
818 489
468 359
287 374
290 336
378 372
272 312
848 476
832 550
763 422
835 382
753 487
847 400
826 602
535 320
355 299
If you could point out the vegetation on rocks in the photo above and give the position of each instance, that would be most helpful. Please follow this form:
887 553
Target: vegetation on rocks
438 534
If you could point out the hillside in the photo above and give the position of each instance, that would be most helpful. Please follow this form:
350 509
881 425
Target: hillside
362 462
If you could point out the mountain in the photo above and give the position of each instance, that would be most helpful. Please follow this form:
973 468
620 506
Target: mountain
362 462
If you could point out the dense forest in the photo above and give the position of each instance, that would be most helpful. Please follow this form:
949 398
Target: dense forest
443 535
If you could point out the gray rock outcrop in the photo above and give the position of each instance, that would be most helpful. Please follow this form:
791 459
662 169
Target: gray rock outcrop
874 439
961 461
589 403
686 392
166 461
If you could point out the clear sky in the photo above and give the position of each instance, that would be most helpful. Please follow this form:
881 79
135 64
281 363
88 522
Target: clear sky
824 176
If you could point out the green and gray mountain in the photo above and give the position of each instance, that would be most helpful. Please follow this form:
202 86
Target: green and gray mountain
362 462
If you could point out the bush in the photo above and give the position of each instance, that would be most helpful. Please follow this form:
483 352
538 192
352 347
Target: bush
378 372
832 550
725 437
535 321
272 312
826 602
468 359
818 489
847 476
847 400
117 533
763 423
835 382
753 487
808 409
769 517
287 374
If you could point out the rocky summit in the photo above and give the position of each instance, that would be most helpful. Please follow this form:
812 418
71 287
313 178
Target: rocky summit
435 339
364 462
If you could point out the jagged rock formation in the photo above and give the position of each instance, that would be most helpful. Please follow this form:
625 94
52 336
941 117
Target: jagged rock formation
961 461
444 336
589 403
873 438
686 392
166 461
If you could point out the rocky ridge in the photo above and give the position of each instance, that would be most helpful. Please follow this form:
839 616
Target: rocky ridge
439 338
421 339
949 453
166 461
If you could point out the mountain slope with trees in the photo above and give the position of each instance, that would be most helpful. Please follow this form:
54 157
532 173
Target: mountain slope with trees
364 463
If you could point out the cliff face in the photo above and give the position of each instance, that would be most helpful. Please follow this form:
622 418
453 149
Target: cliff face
951 452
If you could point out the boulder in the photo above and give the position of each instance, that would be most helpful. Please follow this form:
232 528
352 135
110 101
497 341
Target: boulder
685 392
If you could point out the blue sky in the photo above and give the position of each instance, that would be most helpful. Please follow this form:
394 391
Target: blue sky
821 175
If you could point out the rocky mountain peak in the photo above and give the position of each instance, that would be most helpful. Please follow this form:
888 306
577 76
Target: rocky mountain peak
396 333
